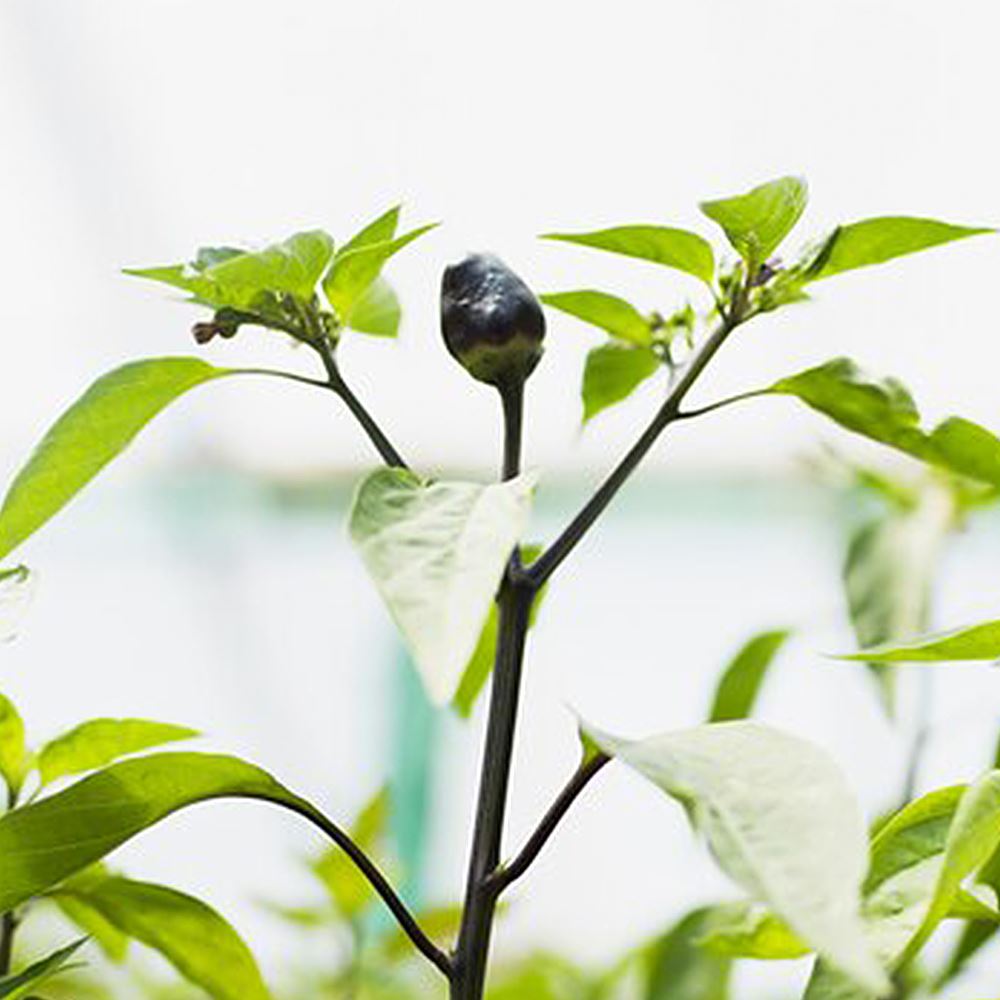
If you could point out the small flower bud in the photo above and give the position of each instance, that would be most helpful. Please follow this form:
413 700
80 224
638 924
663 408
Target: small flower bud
492 323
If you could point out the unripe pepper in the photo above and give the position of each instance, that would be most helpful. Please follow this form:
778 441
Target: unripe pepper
492 322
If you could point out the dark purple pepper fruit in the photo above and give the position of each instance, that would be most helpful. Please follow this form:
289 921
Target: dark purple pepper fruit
492 323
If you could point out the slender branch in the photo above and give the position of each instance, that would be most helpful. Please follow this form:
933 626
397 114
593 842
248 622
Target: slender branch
512 399
508 874
378 882
719 404
549 561
290 376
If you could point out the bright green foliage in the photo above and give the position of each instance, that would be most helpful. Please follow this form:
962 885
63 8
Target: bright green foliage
741 681
756 222
675 248
93 431
608 312
612 373
974 642
195 939
437 553
885 412
873 241
43 843
749 930
780 821
98 742
112 942
542 977
24 983
376 310
14 757
678 967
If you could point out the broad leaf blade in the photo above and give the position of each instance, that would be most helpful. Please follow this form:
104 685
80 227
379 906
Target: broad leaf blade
20 985
740 684
756 222
608 312
437 553
194 938
749 930
973 642
377 311
612 373
98 742
105 935
874 241
676 248
679 968
13 749
93 431
781 822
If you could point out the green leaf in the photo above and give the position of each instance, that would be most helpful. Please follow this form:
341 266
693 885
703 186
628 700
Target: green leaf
98 742
44 843
14 756
679 968
20 985
885 412
16 591
612 373
973 642
608 312
749 930
377 311
740 683
194 938
780 821
890 566
757 222
109 938
93 431
480 666
675 248
437 553
355 268
873 241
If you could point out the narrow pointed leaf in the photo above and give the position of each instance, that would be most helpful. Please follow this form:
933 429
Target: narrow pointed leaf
757 222
98 742
13 750
607 312
885 412
437 554
93 431
194 938
874 241
740 684
20 985
676 248
378 230
973 642
612 373
781 822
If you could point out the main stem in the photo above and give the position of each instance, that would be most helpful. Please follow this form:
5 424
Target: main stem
514 604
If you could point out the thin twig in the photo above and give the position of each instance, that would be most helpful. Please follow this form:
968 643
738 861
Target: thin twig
719 404
504 876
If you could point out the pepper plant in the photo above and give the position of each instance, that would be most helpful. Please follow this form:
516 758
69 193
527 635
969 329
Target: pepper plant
450 561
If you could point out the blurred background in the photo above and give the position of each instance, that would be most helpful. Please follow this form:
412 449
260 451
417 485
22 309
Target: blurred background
207 580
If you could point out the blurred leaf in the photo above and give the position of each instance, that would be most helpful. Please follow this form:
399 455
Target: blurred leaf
195 939
612 373
740 683
480 666
540 977
16 591
109 938
973 642
354 269
93 431
756 222
437 553
885 412
20 985
873 241
14 757
781 822
608 312
440 923
44 843
675 248
98 742
678 968
749 930
376 311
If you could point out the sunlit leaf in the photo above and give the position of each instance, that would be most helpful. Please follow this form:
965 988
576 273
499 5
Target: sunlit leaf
781 822
749 930
756 222
741 681
437 553
973 642
676 248
377 310
612 373
98 742
607 312
14 758
93 431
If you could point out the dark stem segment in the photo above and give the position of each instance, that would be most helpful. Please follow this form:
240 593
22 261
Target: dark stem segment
508 874
512 399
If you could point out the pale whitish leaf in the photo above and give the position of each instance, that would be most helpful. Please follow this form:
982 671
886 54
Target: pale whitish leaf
17 588
781 822
437 553
93 431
